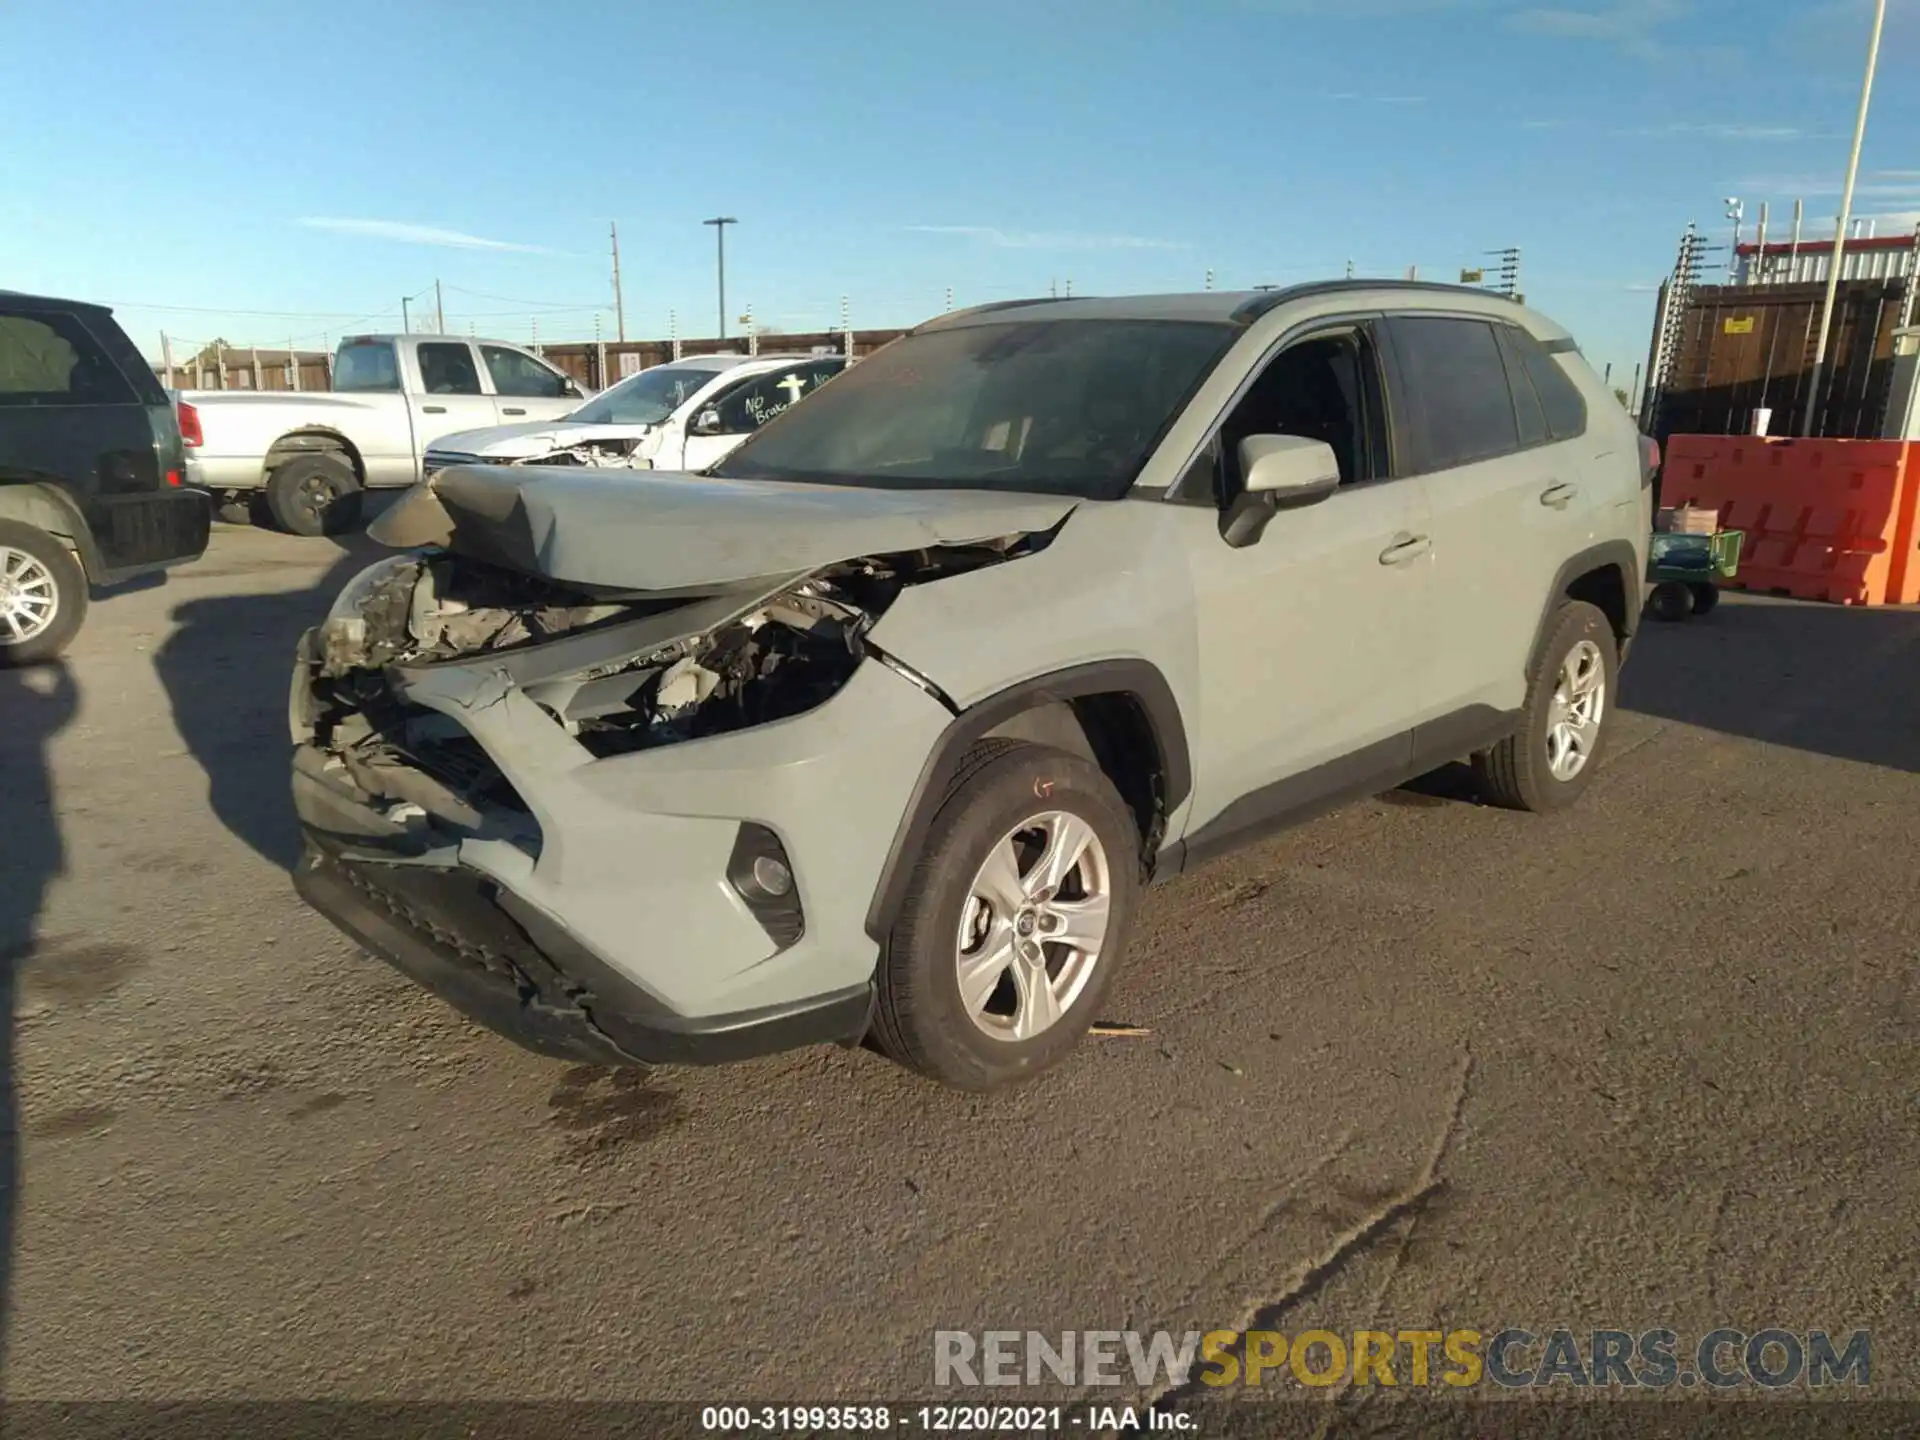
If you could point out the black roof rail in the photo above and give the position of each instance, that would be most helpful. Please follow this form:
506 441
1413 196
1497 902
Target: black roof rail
1260 304
989 308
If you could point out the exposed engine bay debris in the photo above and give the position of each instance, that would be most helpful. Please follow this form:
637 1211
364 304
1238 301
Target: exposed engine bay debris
595 454
619 673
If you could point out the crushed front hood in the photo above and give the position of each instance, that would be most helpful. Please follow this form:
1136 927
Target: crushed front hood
531 437
676 533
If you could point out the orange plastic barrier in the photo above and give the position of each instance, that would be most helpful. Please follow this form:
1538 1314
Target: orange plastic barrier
1824 519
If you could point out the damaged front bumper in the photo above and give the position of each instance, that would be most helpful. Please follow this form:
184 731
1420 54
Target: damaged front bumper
587 894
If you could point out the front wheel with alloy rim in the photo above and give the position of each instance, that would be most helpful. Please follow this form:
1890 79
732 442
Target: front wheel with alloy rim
315 495
43 595
1015 921
1552 754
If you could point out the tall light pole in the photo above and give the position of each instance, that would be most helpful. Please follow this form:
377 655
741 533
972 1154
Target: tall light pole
1815 375
720 223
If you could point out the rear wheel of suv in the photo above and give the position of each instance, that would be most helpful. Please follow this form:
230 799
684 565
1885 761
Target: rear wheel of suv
314 495
1015 920
43 595
1551 756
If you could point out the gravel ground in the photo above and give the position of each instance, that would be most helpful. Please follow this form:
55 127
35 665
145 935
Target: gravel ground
1650 1063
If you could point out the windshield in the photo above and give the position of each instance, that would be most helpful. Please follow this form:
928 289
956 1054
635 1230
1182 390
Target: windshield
647 398
1055 407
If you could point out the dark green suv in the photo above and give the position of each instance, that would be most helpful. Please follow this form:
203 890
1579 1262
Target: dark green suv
93 475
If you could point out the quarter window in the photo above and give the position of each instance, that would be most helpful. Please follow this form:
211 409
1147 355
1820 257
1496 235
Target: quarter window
50 359
1566 408
1462 408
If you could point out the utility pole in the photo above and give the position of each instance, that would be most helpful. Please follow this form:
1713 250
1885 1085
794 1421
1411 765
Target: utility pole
619 305
1069 289
439 311
949 299
1814 405
673 331
166 357
846 330
405 323
293 366
720 223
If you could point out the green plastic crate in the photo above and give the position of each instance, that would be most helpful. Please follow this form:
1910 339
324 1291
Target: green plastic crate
1709 558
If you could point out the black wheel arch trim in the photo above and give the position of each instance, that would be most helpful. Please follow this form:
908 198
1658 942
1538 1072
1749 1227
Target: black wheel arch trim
1617 555
46 505
1138 678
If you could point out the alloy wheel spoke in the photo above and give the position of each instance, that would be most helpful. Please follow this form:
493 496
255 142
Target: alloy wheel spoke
980 974
999 880
1039 1006
1067 840
1082 923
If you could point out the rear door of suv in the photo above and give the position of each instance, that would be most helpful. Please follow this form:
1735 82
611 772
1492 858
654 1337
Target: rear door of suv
82 412
1504 474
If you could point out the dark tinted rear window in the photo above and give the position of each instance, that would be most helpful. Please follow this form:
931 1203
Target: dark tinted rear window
49 357
1526 404
1559 396
1461 406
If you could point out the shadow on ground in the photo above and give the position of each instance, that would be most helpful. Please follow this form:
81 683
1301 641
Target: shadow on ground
228 668
35 705
1829 679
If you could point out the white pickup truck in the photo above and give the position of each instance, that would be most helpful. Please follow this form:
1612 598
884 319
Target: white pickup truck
312 454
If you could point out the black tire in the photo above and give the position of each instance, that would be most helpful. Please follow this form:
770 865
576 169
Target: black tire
1705 596
67 583
235 512
920 1020
314 495
1671 600
1515 774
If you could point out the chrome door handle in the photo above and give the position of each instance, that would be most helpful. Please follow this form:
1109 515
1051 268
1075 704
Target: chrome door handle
433 409
1559 496
1405 547
512 410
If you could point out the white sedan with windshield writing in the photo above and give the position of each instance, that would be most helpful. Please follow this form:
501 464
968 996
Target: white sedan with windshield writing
685 415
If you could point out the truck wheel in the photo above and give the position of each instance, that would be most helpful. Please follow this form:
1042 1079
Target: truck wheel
1670 601
1705 596
315 495
1551 756
1015 921
43 595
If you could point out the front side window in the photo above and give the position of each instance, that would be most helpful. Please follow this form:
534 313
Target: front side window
1322 388
365 366
1054 407
521 375
745 409
646 399
448 370
48 358
1458 401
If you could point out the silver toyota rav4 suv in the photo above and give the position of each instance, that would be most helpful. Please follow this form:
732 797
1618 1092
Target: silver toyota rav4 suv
877 729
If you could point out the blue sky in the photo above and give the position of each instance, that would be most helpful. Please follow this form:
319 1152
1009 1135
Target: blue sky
272 170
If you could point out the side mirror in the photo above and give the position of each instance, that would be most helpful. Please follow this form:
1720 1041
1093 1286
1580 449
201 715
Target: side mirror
707 422
1280 472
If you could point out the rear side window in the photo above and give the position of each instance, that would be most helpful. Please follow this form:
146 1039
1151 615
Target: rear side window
1461 408
448 370
366 366
521 375
1560 398
1526 403
49 358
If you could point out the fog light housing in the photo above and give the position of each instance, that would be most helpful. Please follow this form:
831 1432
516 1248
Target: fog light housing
762 876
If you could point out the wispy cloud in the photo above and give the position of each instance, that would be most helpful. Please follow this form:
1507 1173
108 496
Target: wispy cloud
1048 240
1364 99
1719 131
1541 124
1631 26
404 233
1805 185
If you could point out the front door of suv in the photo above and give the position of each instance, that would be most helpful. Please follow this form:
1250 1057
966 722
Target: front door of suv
1313 640
1504 478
